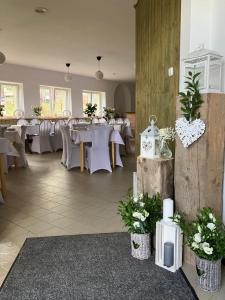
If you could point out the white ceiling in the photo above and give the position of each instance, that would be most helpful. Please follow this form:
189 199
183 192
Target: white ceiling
74 31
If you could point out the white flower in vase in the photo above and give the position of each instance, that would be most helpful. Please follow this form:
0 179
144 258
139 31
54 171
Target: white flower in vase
139 216
146 214
211 216
197 238
135 199
211 226
141 204
195 245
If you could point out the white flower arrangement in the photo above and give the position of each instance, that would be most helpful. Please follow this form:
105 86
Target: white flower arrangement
205 235
167 134
141 212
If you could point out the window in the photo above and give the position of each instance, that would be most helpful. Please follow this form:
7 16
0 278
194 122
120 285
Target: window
93 97
11 96
54 100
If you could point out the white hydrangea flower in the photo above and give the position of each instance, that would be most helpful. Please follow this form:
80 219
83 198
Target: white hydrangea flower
206 248
211 216
136 224
135 199
211 226
195 245
146 214
141 204
197 238
139 216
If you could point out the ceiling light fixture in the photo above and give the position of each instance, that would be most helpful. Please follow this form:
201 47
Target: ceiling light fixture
68 76
2 58
99 75
41 10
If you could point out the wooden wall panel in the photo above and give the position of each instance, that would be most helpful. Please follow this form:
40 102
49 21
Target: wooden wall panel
157 49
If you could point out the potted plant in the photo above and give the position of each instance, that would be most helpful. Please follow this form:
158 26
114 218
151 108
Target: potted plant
140 214
109 113
1 110
90 110
166 135
205 235
37 109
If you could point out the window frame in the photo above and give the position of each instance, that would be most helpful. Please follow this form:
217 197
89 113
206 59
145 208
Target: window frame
19 96
68 102
102 98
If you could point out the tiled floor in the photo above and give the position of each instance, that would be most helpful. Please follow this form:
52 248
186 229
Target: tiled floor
46 200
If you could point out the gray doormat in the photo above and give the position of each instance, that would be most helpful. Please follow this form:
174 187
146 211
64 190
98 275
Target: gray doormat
95 267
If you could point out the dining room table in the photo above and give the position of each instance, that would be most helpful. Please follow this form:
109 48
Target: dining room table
84 135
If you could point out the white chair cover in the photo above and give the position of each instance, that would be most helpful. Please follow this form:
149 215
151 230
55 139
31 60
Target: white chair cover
56 137
97 155
95 121
41 143
35 121
102 121
126 121
112 121
72 122
119 121
64 152
72 150
22 122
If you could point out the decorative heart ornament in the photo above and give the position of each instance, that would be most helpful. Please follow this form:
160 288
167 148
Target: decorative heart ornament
189 132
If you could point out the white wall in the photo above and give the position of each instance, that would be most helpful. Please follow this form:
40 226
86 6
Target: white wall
32 78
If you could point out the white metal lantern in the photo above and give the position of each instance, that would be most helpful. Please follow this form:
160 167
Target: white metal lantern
209 63
150 140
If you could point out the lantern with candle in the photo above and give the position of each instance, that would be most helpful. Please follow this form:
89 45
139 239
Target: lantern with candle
150 140
169 240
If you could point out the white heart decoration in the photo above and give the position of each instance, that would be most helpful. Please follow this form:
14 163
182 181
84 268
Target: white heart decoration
189 132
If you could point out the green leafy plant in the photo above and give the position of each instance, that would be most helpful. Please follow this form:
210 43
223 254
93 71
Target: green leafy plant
109 113
205 235
2 108
140 213
191 100
90 109
37 109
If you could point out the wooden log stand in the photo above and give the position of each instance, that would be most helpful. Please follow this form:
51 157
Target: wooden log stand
199 169
155 176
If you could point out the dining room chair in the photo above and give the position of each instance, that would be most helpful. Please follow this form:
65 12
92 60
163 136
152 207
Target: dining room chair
22 122
97 155
56 136
64 150
41 142
72 122
72 150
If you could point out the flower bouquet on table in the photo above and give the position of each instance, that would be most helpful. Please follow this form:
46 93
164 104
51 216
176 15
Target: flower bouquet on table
140 214
90 110
109 113
166 135
206 237
2 108
37 109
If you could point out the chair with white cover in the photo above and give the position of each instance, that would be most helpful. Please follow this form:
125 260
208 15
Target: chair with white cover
22 122
95 121
72 150
97 156
41 142
72 122
102 121
64 152
56 137
35 121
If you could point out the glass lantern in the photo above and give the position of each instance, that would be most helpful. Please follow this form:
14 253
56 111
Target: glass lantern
209 64
150 143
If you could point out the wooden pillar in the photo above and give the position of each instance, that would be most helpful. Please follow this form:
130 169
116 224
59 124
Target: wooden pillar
155 175
199 169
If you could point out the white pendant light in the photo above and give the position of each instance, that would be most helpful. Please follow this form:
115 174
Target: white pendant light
68 77
99 75
2 58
